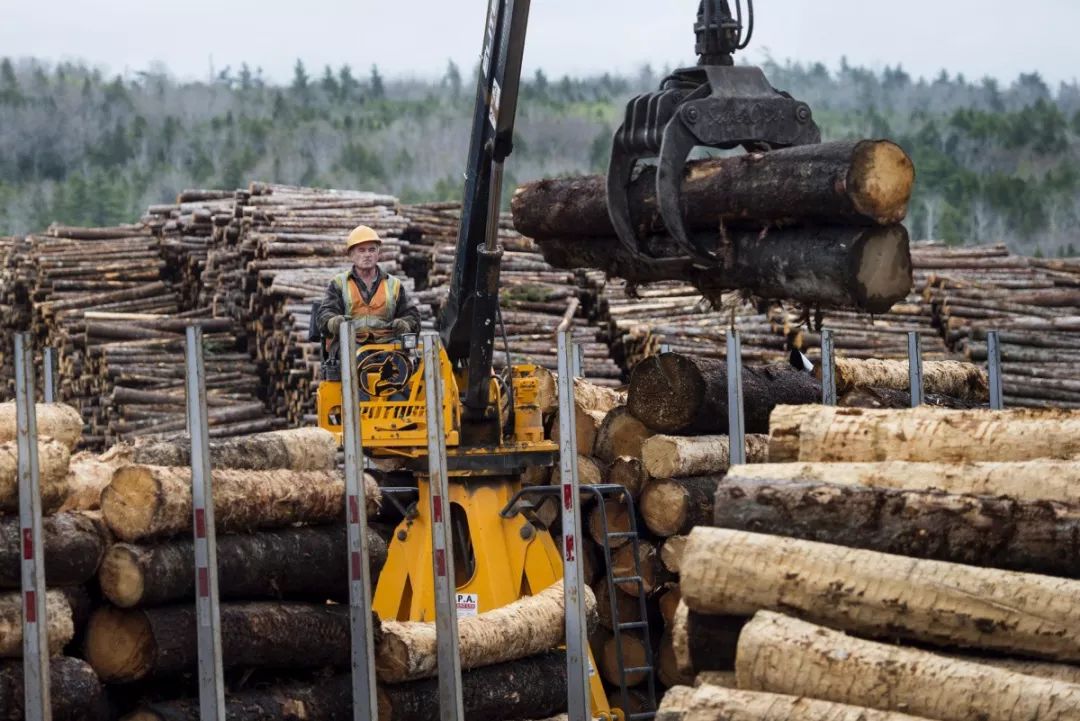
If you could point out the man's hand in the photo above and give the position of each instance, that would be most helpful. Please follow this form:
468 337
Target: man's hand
334 324
400 326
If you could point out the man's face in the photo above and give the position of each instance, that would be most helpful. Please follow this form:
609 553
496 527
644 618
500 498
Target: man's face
364 256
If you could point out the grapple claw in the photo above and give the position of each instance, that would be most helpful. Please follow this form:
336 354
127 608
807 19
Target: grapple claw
671 166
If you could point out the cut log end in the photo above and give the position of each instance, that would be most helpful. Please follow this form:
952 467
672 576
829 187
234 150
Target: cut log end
130 501
880 180
682 385
883 270
119 644
664 505
122 574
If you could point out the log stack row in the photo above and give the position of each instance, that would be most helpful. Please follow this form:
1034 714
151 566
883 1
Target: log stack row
942 529
74 544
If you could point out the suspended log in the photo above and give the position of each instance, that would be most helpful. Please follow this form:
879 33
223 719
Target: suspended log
74 545
947 378
132 644
673 506
1031 536
75 694
621 434
823 433
53 459
529 626
853 182
866 269
60 630
1030 481
153 501
881 595
783 655
309 562
708 703
671 456
297 449
704 642
58 421
675 393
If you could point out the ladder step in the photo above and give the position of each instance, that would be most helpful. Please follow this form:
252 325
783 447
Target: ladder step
627 579
641 716
622 534
638 669
633 624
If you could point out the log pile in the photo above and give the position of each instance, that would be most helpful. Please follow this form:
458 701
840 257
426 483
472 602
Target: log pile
74 544
944 530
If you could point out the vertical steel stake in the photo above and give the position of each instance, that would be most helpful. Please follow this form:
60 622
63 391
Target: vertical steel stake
665 347
451 707
828 368
914 346
736 424
579 360
365 701
37 706
993 359
211 685
52 377
577 659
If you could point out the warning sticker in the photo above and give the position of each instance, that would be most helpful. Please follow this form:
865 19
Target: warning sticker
467 604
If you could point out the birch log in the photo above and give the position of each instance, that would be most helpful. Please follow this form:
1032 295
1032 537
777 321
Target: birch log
57 421
61 627
671 456
948 378
53 459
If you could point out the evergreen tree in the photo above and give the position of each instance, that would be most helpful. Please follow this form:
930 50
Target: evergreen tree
378 89
300 79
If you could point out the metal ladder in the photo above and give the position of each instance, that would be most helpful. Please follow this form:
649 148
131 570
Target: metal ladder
618 625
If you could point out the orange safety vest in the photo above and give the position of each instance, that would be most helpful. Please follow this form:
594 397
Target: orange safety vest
370 318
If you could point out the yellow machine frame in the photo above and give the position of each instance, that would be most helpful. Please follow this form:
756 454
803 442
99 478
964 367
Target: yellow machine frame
497 560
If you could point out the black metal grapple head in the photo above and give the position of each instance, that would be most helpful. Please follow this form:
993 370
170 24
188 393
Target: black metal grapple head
714 104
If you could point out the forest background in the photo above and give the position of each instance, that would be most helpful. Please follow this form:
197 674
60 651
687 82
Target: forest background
994 162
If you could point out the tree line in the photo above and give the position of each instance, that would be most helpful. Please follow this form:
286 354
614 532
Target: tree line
995 162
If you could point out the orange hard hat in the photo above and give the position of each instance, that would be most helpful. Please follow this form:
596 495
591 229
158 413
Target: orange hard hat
361 234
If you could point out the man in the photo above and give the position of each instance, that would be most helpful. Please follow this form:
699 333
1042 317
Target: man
374 300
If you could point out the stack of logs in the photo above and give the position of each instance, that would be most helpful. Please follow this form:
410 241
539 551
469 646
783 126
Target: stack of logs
941 529
74 543
664 440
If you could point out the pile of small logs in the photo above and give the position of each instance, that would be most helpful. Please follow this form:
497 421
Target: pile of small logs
74 543
936 528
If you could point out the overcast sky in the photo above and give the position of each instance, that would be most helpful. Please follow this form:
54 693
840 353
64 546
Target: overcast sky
416 37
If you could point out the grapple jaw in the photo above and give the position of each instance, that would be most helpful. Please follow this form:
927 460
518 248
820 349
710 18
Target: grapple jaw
712 105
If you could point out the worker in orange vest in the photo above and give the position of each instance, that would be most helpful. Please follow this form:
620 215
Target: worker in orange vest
374 300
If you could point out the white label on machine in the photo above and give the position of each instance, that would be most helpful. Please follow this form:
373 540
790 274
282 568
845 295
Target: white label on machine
467 604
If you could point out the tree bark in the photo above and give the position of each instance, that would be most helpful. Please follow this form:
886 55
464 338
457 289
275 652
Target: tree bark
58 421
1030 481
309 562
825 267
154 501
783 655
673 506
673 456
61 627
709 703
823 433
529 626
74 690
297 449
947 378
704 642
621 434
881 595
74 545
532 687
681 394
1031 536
853 182
128 645
53 459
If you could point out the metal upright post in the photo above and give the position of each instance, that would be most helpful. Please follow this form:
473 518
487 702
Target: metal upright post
364 699
993 359
52 378
37 706
211 684
577 659
828 368
579 360
451 707
915 375
736 424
